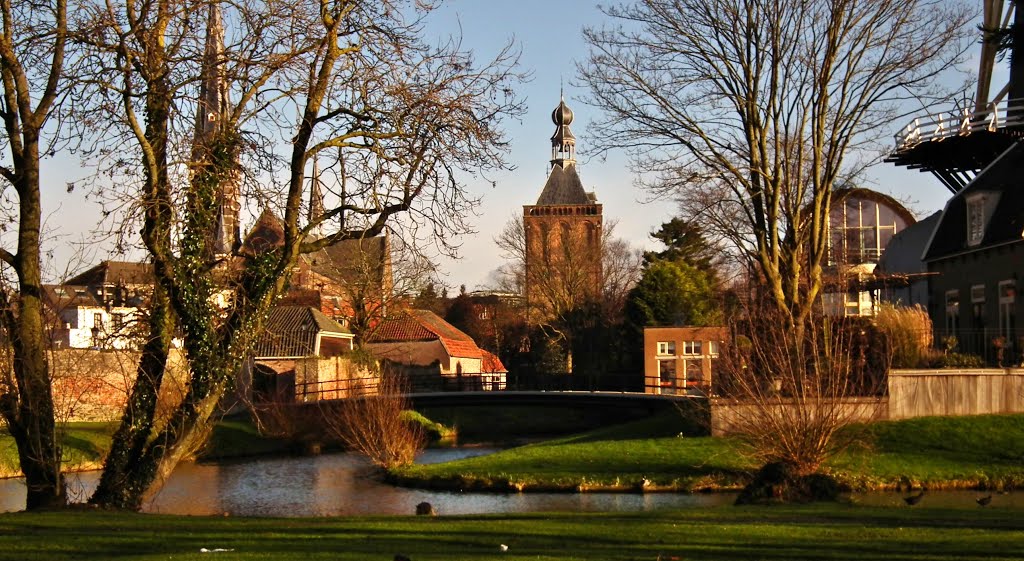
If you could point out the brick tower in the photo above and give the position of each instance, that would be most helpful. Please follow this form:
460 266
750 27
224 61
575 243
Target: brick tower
563 232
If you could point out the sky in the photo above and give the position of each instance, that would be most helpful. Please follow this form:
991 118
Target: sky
549 36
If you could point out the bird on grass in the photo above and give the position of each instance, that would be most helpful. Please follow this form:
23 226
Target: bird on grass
914 499
984 501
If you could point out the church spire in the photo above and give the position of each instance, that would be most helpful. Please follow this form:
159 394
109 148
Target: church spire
563 143
211 118
316 201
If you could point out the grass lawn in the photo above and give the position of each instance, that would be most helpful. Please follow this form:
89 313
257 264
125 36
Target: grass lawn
834 532
980 451
85 446
983 450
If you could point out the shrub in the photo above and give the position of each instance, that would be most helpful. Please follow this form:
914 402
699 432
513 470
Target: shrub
958 360
374 425
909 334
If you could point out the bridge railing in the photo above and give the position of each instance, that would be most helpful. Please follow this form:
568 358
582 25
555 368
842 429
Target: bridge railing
420 382
961 122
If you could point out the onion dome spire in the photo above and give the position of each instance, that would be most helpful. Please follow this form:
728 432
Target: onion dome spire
563 143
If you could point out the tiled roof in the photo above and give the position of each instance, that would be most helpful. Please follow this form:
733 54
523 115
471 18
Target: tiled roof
424 325
291 331
564 188
360 260
1007 221
114 272
265 234
491 363
62 297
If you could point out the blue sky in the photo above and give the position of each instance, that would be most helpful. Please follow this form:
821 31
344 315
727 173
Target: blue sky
549 35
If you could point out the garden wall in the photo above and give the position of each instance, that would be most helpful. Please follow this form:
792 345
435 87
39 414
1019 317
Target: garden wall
920 393
725 413
915 393
91 385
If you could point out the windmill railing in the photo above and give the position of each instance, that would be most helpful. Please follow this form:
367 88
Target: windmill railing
961 122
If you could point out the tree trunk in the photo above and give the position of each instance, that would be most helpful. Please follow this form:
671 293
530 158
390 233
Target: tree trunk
31 420
120 486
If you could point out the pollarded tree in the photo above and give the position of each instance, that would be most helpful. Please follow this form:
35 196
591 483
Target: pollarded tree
749 112
33 46
350 83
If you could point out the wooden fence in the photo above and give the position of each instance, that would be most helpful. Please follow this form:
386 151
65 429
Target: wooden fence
911 393
920 393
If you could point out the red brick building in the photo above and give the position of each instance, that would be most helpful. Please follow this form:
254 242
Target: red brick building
562 231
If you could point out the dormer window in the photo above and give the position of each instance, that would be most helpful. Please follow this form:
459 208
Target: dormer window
975 220
979 211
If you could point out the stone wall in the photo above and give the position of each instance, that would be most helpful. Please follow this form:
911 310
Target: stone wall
332 378
726 414
91 385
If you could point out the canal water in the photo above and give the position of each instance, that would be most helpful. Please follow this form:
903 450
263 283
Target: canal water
344 484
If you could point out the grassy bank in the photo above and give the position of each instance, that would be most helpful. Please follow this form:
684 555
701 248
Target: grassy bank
85 446
719 534
981 451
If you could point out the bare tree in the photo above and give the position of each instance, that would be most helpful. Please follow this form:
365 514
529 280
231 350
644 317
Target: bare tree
374 425
750 112
33 44
394 118
563 303
792 407
374 277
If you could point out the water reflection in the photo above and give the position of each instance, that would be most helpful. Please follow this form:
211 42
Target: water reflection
342 484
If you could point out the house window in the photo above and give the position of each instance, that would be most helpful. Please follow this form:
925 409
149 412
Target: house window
692 348
713 348
975 220
97 320
667 348
694 372
667 376
952 311
117 320
1007 310
978 306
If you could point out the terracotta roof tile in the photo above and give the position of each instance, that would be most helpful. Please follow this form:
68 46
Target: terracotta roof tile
424 325
491 363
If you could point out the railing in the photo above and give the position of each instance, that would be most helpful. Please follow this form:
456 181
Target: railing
420 382
995 346
961 122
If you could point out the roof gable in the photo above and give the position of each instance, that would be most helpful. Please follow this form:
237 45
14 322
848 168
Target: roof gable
291 331
424 325
267 233
1004 176
353 261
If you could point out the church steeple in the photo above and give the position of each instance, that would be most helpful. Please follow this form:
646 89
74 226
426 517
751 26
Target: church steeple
563 143
211 118
316 201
